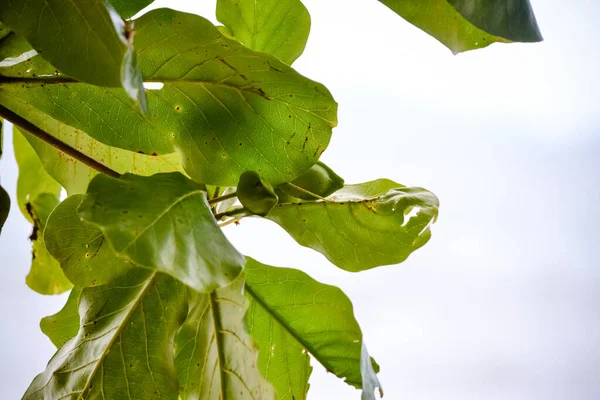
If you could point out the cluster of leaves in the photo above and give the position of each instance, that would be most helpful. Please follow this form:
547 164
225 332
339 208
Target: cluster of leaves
162 305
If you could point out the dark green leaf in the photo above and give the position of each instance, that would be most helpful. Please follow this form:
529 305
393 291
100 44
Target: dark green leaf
215 357
128 8
45 276
226 109
511 19
124 346
291 315
4 198
163 222
64 325
84 255
4 207
256 195
439 19
362 226
319 181
277 27
85 39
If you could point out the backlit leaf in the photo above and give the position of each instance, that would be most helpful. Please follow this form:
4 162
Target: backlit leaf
290 316
362 226
45 275
64 325
215 357
163 222
124 346
277 27
84 255
33 179
74 175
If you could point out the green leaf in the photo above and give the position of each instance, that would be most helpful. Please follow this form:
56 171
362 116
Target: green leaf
128 8
215 357
45 276
4 207
64 325
291 314
318 181
441 20
277 27
86 40
225 108
163 222
362 226
256 195
74 175
511 19
84 255
33 179
124 346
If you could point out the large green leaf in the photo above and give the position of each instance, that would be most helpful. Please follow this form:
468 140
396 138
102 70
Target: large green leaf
124 346
163 222
84 255
215 357
362 226
511 19
45 275
291 315
441 20
225 108
33 179
85 39
277 27
128 8
64 325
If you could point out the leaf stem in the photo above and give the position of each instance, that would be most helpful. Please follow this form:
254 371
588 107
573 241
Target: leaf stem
219 199
231 213
27 126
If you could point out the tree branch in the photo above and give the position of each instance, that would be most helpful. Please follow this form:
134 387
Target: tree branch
27 126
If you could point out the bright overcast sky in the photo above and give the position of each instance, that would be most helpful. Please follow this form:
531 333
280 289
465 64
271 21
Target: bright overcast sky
503 303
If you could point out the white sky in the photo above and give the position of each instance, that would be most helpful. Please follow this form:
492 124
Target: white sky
503 301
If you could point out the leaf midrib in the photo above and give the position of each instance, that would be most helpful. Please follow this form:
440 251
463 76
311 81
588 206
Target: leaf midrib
137 302
294 334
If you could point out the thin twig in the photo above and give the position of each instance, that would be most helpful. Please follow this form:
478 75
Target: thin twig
222 198
27 126
232 213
